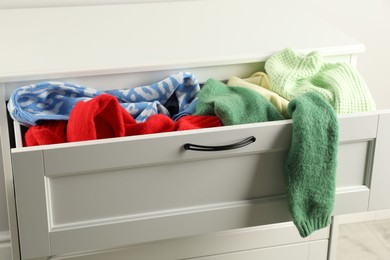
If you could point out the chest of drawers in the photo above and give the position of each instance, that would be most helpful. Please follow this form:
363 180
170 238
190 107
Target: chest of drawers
146 197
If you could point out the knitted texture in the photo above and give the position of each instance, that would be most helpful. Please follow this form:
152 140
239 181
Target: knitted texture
99 118
259 82
103 117
50 132
340 84
55 100
162 123
310 165
234 105
191 122
154 124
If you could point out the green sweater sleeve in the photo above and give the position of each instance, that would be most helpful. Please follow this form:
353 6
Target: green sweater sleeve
310 166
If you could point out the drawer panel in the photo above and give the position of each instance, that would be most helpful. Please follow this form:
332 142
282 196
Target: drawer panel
248 239
380 181
110 193
165 187
305 251
353 160
162 148
99 155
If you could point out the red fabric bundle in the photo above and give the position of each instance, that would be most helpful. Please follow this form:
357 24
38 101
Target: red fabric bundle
103 117
155 124
196 122
49 132
99 118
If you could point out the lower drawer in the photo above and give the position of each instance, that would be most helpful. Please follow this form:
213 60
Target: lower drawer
112 193
304 251
269 240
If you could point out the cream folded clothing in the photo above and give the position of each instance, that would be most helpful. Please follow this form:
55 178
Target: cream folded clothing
260 83
259 79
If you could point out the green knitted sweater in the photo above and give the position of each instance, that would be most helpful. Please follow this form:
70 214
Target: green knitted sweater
234 105
340 84
310 166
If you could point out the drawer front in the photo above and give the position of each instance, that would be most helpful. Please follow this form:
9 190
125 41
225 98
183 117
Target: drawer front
306 251
109 193
221 243
380 182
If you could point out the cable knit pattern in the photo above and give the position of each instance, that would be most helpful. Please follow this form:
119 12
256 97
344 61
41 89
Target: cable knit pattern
340 84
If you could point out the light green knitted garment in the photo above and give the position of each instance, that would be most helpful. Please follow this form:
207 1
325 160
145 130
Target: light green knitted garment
340 84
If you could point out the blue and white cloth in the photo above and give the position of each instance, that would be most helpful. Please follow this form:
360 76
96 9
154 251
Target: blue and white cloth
55 100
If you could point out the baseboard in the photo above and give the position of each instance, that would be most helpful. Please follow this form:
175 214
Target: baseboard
5 246
364 216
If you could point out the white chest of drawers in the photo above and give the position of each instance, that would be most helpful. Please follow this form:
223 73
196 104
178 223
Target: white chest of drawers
102 199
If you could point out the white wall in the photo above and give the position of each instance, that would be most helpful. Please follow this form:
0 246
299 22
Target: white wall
368 22
40 3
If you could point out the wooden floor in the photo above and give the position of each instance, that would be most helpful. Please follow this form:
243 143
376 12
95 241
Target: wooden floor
364 241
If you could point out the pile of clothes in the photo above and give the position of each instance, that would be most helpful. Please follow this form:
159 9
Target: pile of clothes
306 89
261 97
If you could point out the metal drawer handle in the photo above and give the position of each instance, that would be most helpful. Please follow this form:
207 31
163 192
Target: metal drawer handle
205 148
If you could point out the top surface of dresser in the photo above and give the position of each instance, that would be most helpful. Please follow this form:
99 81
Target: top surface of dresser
44 43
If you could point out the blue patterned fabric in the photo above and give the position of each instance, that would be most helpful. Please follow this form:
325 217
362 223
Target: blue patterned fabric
55 100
